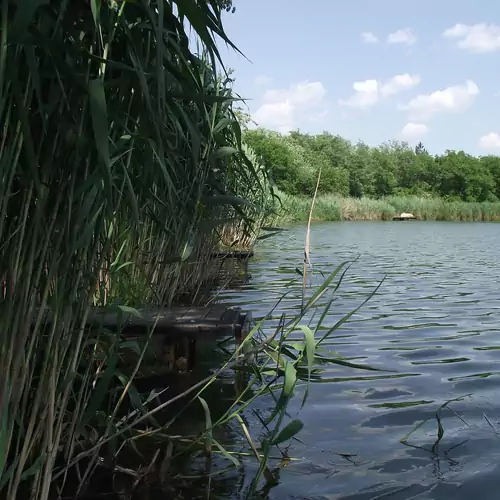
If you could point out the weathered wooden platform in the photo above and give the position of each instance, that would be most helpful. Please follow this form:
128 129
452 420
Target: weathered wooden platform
240 255
218 320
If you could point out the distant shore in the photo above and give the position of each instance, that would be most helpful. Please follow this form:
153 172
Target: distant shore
336 208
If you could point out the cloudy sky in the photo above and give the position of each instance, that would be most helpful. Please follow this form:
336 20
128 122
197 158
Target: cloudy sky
372 69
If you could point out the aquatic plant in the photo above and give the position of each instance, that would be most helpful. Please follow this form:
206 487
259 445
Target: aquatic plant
260 206
276 362
117 148
120 162
335 208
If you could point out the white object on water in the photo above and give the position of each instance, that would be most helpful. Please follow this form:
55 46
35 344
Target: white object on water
406 215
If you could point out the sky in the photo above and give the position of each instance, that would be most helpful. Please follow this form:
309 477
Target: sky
372 70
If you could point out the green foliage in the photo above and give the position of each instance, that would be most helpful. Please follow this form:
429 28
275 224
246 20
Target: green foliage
420 149
359 170
285 161
245 223
119 156
290 358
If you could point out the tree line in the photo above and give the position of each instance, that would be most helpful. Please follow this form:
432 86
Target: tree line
359 170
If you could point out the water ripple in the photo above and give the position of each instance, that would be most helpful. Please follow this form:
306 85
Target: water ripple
434 325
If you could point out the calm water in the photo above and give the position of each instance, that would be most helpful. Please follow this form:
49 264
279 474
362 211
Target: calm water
435 322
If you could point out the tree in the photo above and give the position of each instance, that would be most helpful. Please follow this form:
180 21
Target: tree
360 170
287 168
492 165
384 174
419 149
330 153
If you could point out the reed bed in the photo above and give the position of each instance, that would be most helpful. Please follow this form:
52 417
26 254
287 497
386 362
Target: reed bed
259 208
121 165
118 150
335 208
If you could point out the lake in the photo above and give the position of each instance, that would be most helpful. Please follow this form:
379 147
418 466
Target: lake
435 323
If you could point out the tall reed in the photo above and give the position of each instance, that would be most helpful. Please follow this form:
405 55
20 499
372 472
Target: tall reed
120 163
117 147
336 208
259 207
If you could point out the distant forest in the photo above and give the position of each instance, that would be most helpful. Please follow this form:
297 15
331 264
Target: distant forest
358 170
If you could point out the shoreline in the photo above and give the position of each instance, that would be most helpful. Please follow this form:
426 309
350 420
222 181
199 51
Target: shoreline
331 208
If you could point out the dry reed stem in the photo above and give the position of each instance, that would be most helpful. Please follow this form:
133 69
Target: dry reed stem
307 260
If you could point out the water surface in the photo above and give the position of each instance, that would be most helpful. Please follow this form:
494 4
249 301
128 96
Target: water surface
435 322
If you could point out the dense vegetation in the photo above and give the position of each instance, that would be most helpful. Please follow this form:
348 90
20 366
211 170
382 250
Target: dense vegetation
358 170
121 168
328 207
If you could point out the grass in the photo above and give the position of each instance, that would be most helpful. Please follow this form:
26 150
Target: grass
335 208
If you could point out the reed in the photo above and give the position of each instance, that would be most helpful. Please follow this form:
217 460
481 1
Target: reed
120 165
117 149
241 233
278 361
335 208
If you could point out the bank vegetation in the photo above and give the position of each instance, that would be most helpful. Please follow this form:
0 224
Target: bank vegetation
359 182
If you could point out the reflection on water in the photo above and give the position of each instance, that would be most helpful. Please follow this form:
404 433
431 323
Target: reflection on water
434 323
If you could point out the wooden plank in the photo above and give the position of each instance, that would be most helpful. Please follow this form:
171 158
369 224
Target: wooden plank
195 314
216 313
217 320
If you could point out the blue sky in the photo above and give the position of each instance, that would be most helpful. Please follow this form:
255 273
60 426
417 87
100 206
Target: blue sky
373 70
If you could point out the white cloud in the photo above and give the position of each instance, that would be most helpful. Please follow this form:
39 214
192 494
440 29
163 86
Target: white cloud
303 93
477 38
282 109
413 131
490 142
369 37
367 93
277 116
263 80
453 99
399 83
405 35
317 116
